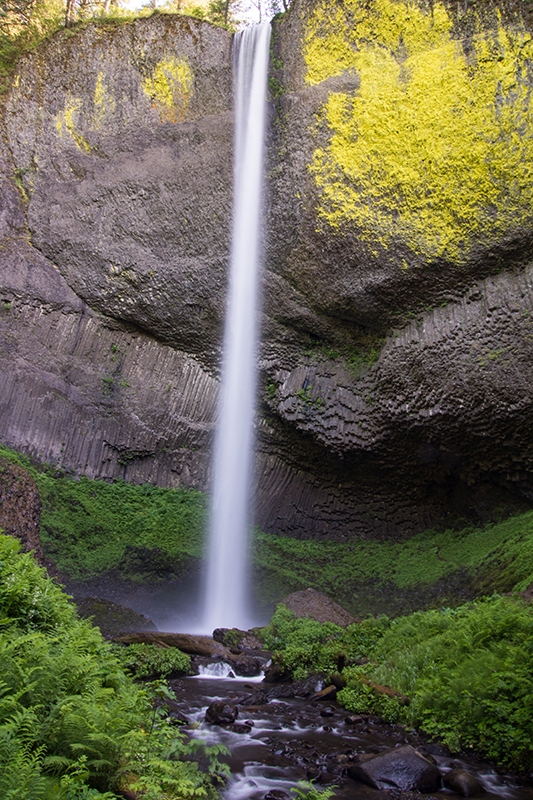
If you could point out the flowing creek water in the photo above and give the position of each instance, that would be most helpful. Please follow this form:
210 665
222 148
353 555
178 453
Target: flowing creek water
278 741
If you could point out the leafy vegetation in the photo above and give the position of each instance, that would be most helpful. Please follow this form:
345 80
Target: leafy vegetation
467 672
302 646
431 568
150 660
72 723
91 527
146 533
308 790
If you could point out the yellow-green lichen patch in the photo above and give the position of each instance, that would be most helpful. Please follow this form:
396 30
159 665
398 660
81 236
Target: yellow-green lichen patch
65 123
436 148
170 89
104 102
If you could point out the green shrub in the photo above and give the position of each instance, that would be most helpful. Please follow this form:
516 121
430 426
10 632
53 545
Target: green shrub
285 629
302 646
468 673
151 660
90 527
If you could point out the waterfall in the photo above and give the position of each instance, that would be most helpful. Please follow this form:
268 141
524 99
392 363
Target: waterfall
226 601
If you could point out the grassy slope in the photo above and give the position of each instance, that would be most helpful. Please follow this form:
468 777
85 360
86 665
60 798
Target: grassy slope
90 527
144 533
393 577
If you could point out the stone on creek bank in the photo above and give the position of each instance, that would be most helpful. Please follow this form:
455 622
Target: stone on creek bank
401 768
237 640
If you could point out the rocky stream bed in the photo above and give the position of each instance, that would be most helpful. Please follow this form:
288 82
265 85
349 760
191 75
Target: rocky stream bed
281 734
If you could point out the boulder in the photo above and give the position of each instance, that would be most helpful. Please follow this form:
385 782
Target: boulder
112 618
221 713
402 768
316 605
237 640
247 666
462 782
240 727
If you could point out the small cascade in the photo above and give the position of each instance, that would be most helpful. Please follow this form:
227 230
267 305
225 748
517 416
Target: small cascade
226 602
217 670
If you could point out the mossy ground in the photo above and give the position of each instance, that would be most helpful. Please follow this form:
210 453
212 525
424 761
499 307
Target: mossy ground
90 528
429 570
147 534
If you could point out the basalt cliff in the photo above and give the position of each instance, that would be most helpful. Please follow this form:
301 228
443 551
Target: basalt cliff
396 360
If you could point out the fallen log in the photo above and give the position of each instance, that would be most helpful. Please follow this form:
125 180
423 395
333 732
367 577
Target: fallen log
186 642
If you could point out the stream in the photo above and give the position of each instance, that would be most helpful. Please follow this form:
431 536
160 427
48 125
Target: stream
277 741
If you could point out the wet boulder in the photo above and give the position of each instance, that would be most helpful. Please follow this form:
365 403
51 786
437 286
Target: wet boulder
240 727
402 768
221 713
247 666
462 782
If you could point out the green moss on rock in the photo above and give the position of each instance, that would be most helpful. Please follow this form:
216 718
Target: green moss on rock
435 148
170 89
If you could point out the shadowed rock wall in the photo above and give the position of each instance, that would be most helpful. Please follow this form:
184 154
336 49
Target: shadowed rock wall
396 352
20 507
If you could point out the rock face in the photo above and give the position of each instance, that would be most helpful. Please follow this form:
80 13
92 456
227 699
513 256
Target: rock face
396 360
20 507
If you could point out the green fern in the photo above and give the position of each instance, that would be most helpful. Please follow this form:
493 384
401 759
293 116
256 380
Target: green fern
20 761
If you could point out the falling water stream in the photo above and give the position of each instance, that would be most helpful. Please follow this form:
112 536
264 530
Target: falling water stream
226 584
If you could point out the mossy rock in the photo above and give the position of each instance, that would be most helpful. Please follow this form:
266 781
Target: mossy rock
429 153
112 618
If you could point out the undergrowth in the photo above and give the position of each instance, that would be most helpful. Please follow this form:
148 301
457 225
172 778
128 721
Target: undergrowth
72 722
374 576
145 533
151 660
467 672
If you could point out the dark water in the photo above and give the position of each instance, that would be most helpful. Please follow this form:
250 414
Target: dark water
292 739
